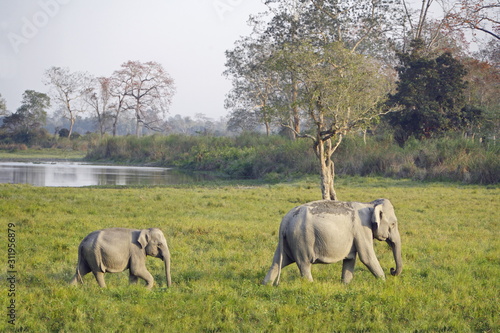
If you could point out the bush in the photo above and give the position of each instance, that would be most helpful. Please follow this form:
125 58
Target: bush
276 157
12 147
454 159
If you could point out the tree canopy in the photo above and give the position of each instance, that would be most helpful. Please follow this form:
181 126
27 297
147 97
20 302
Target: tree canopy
431 92
27 122
311 69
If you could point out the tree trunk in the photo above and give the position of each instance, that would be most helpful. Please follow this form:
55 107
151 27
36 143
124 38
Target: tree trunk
295 108
138 128
324 151
71 124
139 123
333 194
327 182
268 128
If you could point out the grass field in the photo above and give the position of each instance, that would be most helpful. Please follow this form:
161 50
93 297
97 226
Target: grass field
222 239
42 154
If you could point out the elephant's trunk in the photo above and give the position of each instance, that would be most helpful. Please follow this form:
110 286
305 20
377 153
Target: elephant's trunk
395 243
166 259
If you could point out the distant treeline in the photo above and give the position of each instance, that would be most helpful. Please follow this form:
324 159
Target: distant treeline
277 158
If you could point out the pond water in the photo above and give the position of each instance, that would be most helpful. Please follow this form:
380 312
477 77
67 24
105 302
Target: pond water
73 174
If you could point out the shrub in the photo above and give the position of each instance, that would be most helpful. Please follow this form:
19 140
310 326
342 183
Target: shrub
12 147
261 157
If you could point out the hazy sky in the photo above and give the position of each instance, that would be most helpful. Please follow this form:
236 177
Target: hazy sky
188 37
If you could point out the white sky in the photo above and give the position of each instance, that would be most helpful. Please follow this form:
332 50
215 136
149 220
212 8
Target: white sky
188 37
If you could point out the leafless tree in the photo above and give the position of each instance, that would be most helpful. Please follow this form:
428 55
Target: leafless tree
145 87
68 90
98 97
477 15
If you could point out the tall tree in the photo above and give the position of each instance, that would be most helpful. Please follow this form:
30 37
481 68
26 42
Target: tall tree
476 15
339 91
419 25
98 96
363 26
3 106
119 103
149 90
443 21
483 93
27 121
68 90
431 92
254 85
317 51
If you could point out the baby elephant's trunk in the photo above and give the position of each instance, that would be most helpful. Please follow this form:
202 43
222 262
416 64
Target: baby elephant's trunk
395 243
166 259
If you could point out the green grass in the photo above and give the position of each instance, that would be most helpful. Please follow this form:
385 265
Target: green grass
42 154
222 239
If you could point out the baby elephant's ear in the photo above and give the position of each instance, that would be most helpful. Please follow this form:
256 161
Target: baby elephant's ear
143 237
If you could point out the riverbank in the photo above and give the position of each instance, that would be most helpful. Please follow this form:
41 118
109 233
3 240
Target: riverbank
42 155
276 158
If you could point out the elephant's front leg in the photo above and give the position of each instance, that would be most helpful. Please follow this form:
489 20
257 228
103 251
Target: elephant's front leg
348 269
146 276
140 271
99 276
368 257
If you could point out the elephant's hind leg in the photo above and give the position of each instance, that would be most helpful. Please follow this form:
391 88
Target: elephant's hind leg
348 270
132 279
272 274
82 270
76 278
274 271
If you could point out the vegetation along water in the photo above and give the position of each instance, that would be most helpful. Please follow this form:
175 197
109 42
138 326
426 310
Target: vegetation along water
276 158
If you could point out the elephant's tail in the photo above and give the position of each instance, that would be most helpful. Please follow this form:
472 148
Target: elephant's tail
280 258
273 275
79 264
79 275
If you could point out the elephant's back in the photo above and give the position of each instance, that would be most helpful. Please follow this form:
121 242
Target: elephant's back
328 207
324 229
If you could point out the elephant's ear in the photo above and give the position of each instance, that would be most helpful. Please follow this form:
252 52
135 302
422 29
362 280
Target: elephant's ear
377 215
143 237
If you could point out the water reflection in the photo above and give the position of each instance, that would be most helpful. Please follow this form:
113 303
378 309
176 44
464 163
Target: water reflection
79 174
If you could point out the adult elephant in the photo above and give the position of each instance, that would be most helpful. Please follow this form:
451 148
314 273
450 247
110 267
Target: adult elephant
117 249
329 231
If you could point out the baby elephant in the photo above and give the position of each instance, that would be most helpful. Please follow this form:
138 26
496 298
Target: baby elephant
116 249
